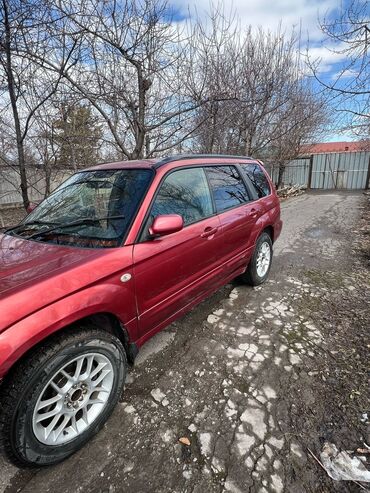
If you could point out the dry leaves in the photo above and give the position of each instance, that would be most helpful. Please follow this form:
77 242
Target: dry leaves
184 441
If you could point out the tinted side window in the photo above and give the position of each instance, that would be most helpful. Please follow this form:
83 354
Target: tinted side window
258 179
227 187
184 192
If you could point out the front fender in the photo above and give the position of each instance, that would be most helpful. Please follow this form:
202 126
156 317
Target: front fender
104 298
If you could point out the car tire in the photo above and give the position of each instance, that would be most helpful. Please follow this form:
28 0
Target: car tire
76 378
260 264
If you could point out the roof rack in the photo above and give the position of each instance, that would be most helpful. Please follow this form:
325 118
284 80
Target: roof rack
180 157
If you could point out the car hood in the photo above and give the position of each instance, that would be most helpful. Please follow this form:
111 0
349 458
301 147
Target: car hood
34 274
24 261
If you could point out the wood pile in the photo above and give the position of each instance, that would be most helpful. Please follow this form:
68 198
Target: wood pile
292 191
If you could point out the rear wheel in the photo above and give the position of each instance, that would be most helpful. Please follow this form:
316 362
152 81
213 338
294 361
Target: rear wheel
259 266
60 396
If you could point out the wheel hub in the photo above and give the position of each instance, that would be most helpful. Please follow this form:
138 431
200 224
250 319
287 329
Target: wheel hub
73 399
263 259
76 397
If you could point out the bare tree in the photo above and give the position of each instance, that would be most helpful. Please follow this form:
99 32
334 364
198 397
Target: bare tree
150 88
307 118
26 87
216 54
134 71
271 109
349 37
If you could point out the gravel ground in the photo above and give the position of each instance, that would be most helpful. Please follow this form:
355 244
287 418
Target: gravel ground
253 378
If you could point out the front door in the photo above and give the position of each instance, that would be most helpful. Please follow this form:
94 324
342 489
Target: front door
171 270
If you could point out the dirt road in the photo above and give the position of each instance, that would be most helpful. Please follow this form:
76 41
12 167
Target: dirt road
252 377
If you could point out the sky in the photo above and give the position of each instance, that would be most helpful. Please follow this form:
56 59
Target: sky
302 15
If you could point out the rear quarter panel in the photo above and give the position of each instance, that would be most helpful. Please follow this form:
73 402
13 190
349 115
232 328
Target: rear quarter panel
271 211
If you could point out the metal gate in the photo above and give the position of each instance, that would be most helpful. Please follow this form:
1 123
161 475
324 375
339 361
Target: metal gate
342 170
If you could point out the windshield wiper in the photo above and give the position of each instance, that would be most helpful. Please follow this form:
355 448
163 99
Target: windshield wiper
31 223
79 222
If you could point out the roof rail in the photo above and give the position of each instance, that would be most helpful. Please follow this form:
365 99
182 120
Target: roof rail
180 157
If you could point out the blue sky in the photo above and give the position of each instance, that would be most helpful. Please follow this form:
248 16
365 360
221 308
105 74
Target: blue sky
302 15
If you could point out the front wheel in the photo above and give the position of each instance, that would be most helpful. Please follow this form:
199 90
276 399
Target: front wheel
260 263
60 396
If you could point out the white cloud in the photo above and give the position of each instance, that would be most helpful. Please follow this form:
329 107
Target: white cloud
300 14
327 55
345 74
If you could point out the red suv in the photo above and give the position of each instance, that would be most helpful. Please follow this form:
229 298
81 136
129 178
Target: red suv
111 257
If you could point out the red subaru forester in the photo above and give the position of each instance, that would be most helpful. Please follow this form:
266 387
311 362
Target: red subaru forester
111 257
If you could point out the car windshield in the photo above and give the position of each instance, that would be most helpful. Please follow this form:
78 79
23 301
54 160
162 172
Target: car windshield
92 209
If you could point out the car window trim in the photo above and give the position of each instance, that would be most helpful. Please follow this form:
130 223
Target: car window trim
139 238
210 191
248 184
134 216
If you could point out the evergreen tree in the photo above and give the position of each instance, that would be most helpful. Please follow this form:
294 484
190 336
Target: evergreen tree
77 134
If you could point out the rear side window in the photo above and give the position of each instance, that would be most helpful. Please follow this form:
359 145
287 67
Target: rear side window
257 178
227 187
184 192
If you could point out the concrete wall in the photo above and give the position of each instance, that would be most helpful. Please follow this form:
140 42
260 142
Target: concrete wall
10 192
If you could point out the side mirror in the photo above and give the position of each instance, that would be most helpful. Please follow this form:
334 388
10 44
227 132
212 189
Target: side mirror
31 206
166 224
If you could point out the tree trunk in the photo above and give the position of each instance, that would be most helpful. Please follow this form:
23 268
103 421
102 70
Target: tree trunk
214 111
47 171
147 146
280 175
138 152
13 101
249 134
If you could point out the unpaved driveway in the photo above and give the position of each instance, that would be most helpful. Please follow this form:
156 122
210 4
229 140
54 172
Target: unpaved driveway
249 377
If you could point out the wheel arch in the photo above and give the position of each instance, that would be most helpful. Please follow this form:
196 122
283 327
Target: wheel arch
104 320
270 231
112 324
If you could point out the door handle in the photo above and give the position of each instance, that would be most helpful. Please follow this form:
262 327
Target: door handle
254 212
209 232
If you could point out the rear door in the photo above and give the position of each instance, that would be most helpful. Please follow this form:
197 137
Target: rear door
171 270
237 213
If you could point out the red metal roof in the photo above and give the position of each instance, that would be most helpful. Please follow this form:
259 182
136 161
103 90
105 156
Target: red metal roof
324 147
